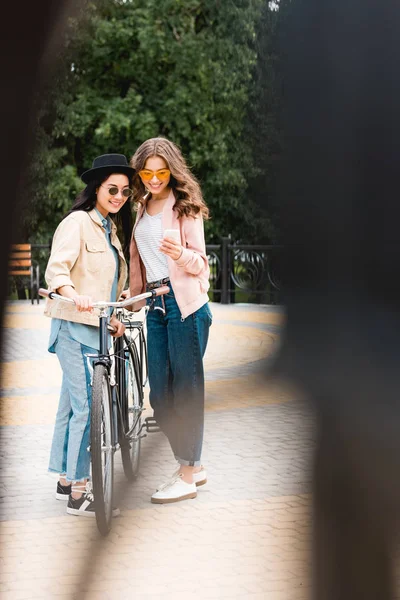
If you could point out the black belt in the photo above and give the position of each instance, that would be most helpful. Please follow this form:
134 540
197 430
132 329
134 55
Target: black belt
155 284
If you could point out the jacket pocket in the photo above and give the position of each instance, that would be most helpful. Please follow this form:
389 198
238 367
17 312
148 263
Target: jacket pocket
95 254
204 285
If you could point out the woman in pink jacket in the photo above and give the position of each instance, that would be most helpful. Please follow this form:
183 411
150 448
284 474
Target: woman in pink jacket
168 247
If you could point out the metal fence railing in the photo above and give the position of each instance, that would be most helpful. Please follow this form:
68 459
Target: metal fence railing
238 272
245 273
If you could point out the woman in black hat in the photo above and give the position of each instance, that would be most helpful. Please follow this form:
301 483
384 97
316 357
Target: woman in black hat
86 262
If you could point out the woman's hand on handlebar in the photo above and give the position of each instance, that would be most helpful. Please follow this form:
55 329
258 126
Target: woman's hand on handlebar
124 295
118 326
83 303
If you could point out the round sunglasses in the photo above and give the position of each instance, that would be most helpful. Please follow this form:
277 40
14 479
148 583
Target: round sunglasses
113 191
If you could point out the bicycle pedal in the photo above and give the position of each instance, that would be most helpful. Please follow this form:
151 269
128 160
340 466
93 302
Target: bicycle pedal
151 425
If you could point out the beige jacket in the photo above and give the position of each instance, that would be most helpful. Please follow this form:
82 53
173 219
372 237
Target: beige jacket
81 257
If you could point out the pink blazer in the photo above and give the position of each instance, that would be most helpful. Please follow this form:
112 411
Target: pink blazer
189 274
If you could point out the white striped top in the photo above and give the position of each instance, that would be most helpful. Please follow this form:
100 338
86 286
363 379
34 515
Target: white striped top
148 235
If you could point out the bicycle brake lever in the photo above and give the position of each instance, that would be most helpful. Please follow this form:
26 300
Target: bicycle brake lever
152 306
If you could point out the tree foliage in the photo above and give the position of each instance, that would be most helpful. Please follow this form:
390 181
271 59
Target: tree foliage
189 70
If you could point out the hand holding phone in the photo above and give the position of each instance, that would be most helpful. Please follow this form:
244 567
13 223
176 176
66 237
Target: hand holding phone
175 234
173 249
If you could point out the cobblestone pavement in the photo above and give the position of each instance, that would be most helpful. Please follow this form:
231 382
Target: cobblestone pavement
247 533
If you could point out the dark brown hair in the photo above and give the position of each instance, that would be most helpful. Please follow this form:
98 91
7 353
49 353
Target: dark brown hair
86 201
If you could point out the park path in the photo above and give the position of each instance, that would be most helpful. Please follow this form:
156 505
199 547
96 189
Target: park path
247 533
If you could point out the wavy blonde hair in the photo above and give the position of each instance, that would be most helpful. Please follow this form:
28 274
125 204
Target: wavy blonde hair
189 200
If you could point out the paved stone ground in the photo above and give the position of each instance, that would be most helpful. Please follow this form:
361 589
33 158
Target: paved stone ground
247 533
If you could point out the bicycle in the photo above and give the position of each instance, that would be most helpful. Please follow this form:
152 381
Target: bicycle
118 382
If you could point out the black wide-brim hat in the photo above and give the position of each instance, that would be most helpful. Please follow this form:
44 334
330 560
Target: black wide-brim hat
106 164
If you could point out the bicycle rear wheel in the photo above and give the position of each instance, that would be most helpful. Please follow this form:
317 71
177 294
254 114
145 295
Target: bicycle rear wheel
131 408
101 448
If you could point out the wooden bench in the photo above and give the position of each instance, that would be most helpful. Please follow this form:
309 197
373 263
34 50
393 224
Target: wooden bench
20 265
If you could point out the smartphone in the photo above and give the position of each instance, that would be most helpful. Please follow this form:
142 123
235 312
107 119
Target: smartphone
174 234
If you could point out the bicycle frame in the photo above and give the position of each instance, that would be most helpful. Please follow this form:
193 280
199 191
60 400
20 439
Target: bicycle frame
104 357
117 400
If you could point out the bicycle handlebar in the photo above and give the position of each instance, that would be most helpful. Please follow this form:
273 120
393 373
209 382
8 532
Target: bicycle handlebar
102 304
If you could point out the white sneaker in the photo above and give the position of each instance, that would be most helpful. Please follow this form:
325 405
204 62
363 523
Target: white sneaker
200 478
174 490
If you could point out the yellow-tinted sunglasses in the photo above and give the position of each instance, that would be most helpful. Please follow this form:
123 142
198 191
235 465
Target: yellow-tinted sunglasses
161 174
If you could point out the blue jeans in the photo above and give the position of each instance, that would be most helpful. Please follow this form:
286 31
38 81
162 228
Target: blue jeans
71 438
175 350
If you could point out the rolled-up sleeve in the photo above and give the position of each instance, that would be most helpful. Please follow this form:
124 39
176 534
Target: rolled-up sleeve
64 253
193 258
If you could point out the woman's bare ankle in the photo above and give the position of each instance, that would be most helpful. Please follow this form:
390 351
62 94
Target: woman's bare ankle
187 473
78 489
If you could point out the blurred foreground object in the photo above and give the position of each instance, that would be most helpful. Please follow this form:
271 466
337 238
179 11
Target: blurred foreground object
341 211
28 49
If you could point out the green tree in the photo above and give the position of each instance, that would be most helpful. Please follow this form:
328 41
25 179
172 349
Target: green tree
179 68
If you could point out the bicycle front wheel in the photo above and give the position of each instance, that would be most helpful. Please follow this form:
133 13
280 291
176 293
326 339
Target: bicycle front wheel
132 406
101 448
